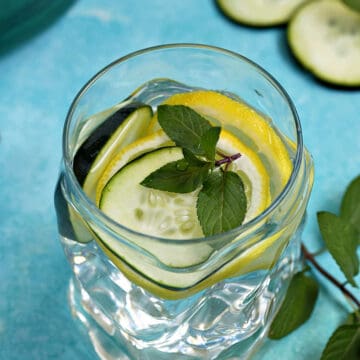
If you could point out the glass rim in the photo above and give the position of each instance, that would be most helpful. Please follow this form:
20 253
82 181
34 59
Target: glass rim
89 205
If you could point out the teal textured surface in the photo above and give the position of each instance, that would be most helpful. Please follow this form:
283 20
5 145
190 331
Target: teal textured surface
39 79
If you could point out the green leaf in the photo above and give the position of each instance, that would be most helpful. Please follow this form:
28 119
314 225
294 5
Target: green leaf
222 203
341 240
353 4
297 307
344 344
353 318
192 159
350 205
184 126
177 176
208 142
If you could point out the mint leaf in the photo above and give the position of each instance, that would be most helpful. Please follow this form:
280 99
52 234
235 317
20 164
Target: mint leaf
192 159
344 344
184 126
177 176
353 4
353 318
221 204
297 307
350 205
341 240
208 142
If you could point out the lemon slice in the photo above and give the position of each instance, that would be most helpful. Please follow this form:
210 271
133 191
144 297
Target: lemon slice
245 122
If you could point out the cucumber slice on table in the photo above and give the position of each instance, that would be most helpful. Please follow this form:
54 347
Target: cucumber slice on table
259 12
324 36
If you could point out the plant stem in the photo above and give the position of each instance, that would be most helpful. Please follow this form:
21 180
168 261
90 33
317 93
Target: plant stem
338 284
227 159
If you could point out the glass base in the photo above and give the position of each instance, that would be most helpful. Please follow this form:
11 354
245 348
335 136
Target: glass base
226 321
110 344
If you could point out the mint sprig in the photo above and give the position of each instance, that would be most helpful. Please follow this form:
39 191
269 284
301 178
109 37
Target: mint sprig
221 203
341 237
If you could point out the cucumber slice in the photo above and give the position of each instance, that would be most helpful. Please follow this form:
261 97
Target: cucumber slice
150 211
259 12
120 129
154 212
105 124
324 36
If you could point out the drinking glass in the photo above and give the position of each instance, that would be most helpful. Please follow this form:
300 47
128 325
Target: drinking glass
226 307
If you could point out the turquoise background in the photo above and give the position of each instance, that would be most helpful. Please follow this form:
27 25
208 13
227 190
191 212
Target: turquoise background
39 77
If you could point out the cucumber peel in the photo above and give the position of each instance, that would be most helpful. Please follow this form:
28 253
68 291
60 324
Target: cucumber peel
259 13
324 36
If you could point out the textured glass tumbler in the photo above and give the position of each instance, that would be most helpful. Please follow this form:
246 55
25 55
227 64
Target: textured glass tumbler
227 306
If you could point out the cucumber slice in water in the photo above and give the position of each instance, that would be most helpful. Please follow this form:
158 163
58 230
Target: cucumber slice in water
150 211
259 12
120 129
324 36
